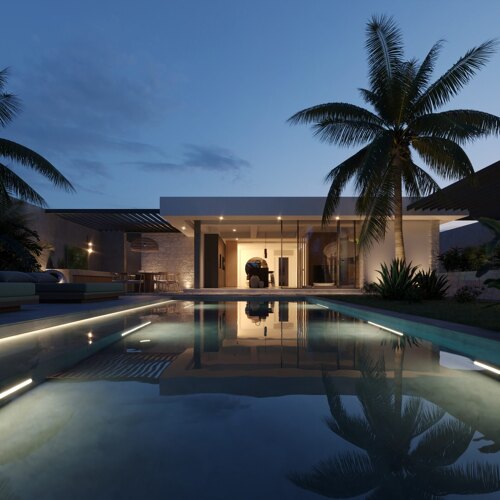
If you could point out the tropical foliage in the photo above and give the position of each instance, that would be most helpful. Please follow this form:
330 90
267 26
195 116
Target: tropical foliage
401 447
397 281
464 259
404 121
11 184
19 245
492 250
431 286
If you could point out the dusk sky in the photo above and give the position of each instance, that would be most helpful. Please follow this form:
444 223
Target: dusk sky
136 100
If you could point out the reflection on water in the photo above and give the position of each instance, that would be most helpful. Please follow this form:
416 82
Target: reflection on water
403 447
237 395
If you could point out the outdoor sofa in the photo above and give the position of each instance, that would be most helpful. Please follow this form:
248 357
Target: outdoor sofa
14 295
46 287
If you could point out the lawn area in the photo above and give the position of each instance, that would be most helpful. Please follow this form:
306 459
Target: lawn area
480 314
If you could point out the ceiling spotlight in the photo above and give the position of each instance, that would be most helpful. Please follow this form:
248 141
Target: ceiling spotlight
234 230
236 239
183 228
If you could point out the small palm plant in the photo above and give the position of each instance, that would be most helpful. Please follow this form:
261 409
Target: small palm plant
431 286
397 281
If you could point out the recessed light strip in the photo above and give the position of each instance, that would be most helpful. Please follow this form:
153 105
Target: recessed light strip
82 321
321 305
132 330
16 388
487 367
385 328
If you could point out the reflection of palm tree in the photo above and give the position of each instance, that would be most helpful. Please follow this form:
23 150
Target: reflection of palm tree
409 451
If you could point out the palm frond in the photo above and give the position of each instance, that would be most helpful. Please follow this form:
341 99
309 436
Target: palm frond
461 125
348 475
443 444
471 479
346 133
448 85
417 182
12 184
384 44
9 103
335 111
28 158
424 72
378 210
444 156
339 176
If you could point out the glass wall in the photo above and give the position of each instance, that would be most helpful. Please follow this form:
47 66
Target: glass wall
328 256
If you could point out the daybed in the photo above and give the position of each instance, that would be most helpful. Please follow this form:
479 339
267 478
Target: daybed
45 287
14 295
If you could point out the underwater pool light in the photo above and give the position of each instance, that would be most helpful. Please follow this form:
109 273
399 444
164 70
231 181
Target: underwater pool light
132 330
385 328
16 388
487 367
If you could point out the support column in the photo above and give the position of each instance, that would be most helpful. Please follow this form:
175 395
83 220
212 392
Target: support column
197 254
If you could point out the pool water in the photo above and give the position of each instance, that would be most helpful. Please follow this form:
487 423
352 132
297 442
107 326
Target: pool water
244 400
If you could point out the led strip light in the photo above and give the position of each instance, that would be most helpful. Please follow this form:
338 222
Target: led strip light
385 328
487 367
16 388
86 320
132 330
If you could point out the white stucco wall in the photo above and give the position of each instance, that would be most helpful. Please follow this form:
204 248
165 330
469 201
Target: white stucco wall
421 246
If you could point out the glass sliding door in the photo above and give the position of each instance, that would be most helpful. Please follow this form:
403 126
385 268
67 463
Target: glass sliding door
348 252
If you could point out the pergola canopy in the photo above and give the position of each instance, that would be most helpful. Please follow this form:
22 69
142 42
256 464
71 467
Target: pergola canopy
478 194
126 220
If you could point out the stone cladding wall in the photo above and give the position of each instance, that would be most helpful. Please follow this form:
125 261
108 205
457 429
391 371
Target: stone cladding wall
176 255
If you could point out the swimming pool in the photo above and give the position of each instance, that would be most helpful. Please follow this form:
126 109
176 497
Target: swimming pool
244 400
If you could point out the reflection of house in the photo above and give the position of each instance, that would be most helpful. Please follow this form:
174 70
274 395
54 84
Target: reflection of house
208 241
239 353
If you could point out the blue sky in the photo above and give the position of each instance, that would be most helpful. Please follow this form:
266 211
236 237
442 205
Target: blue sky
137 100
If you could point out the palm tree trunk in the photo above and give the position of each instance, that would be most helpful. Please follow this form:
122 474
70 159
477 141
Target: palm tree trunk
398 217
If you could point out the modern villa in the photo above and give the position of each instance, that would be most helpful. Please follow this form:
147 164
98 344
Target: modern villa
208 241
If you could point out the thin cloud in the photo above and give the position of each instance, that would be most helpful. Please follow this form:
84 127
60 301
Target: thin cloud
90 167
211 158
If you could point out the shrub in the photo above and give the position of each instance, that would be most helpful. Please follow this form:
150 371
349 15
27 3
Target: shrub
369 288
464 259
397 281
431 286
467 294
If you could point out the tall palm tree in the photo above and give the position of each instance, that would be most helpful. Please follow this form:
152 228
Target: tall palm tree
10 183
404 121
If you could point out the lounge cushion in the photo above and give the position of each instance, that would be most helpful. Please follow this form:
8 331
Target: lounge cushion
15 277
17 289
78 287
45 277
